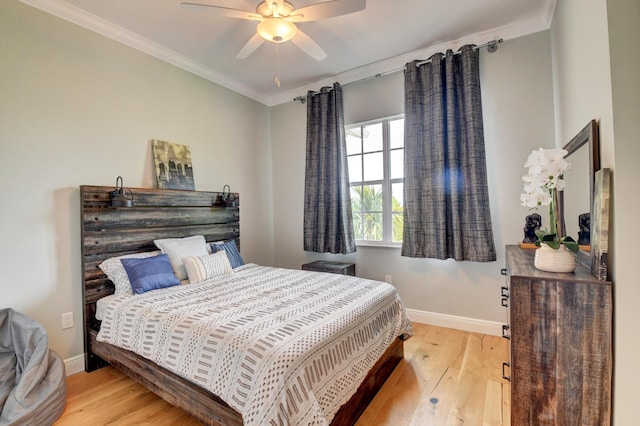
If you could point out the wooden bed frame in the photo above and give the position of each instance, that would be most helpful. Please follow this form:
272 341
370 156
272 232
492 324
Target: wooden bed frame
161 213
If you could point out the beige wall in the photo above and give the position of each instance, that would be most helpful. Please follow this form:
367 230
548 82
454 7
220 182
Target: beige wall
624 36
596 64
77 108
581 73
518 117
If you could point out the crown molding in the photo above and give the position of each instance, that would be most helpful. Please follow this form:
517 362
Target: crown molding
397 63
548 11
110 30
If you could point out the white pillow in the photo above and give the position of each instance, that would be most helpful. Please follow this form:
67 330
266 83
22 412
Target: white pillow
179 248
115 271
204 267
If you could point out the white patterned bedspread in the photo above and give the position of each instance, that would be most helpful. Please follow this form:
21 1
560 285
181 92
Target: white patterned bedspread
280 346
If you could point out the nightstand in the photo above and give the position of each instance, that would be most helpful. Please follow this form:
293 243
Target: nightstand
332 267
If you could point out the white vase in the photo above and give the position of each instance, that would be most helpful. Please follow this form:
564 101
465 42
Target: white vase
550 260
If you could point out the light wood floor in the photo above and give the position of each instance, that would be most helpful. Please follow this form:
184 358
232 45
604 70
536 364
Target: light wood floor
448 377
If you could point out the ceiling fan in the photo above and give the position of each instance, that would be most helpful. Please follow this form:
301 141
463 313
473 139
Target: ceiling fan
278 20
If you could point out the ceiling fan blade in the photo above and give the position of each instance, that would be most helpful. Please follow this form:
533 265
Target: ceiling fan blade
327 9
308 46
250 46
233 13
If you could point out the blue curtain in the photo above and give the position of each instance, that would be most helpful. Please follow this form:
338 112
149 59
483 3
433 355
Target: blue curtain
328 223
446 211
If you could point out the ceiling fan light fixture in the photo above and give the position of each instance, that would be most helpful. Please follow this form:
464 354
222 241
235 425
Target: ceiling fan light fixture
270 9
277 30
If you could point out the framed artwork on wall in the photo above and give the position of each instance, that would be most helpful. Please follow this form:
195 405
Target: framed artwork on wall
600 225
173 166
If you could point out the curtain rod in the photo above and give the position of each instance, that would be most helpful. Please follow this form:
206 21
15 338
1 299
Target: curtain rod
491 46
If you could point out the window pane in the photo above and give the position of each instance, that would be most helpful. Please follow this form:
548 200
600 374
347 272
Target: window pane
373 166
371 197
397 197
357 226
372 139
356 199
355 168
396 133
397 227
376 156
356 210
372 226
353 141
397 163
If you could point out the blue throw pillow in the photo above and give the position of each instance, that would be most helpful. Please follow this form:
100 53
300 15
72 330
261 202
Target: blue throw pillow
231 249
150 273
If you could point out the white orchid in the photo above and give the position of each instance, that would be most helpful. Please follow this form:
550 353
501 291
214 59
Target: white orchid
546 167
541 183
534 197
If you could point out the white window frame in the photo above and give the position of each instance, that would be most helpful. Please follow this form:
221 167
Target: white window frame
386 182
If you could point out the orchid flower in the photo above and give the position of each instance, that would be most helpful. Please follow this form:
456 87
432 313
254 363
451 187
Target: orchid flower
545 168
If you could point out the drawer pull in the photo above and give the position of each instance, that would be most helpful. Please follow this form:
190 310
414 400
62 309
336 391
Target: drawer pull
505 301
505 334
503 271
504 291
504 376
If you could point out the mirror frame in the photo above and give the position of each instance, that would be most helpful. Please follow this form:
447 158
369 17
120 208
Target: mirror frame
588 135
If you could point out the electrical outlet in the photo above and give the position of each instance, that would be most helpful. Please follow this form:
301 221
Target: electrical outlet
388 279
67 320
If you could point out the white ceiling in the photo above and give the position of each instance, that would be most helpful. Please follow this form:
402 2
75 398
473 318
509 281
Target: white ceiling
379 39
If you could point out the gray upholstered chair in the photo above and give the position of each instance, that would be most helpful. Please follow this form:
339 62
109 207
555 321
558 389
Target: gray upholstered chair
33 386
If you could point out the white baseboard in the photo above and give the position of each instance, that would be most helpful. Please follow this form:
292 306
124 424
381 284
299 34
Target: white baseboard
459 323
74 364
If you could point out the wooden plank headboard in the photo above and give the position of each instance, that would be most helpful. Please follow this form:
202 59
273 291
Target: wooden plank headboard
156 213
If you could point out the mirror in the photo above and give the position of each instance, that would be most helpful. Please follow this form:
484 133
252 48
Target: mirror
583 153
577 197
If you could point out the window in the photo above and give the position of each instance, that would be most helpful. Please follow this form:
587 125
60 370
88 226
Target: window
375 152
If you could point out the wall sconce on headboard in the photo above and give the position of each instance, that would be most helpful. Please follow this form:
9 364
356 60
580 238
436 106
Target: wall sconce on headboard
120 197
226 199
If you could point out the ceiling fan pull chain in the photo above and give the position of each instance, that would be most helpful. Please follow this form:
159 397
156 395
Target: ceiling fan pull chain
277 47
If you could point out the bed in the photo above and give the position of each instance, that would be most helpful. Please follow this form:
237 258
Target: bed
110 232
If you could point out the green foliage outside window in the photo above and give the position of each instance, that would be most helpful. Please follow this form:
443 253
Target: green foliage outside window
375 154
366 203
397 221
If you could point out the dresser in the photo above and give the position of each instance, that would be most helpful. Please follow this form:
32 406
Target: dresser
559 329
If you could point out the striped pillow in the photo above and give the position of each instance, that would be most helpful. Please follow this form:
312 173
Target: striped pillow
231 249
200 268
